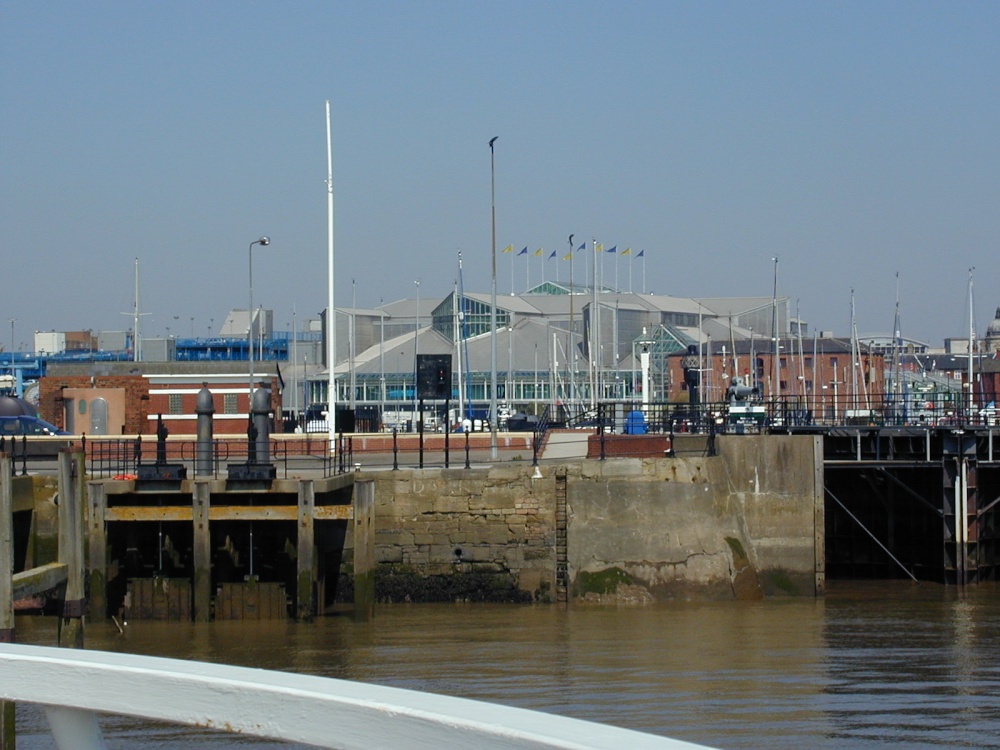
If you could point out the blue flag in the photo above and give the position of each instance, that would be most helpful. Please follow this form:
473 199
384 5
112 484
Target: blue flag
613 249
641 254
553 255
524 251
582 246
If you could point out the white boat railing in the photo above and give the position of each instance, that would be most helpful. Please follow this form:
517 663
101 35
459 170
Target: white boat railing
75 686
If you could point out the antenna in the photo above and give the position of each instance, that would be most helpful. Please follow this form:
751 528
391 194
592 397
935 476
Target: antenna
136 316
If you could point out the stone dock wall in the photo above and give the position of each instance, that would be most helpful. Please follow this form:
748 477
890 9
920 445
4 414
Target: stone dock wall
745 523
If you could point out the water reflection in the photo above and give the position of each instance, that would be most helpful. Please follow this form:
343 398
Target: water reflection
870 666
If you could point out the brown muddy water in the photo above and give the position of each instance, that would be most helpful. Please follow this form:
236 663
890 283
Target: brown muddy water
871 665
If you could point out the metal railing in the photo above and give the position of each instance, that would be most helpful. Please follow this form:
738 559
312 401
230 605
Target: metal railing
124 458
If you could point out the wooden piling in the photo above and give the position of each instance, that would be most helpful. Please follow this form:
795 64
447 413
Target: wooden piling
202 551
364 549
71 548
97 549
6 551
7 737
305 599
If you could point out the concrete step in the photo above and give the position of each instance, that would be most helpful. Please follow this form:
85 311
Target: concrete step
566 444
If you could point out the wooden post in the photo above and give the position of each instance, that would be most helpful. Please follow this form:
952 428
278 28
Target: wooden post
6 550
71 548
819 517
202 551
364 549
97 549
305 599
7 738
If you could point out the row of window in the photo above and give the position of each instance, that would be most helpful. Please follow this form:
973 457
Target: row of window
175 403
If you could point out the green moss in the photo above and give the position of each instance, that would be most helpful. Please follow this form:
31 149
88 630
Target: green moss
604 581
779 580
400 583
737 547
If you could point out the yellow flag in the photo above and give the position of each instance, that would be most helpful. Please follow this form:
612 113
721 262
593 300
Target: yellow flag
627 251
509 249
599 248
568 256
538 252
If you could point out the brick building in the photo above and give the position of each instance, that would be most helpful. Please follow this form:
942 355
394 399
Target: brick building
809 369
125 398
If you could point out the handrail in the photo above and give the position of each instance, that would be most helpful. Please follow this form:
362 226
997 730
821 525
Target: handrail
317 711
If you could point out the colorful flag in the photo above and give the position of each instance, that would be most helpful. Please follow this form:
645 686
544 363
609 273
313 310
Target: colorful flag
523 251
614 249
509 249
641 254
567 256
538 253
553 255
599 248
627 251
582 246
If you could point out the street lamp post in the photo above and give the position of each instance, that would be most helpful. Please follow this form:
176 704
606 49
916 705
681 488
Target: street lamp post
12 322
493 307
263 241
417 418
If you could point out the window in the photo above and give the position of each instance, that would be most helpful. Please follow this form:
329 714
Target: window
175 404
229 403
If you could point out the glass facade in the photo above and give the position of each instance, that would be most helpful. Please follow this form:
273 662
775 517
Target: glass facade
473 317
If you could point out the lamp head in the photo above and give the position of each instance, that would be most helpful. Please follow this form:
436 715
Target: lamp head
264 241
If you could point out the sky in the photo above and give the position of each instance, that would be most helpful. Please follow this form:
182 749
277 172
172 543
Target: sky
854 141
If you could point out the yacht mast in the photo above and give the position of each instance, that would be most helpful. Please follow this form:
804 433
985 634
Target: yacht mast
972 339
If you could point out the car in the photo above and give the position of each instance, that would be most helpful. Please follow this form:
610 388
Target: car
28 436
25 424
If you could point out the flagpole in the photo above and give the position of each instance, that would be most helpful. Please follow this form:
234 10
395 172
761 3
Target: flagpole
331 314
512 272
493 309
570 348
594 329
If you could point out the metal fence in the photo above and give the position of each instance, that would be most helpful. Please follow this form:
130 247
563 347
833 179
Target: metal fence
130 459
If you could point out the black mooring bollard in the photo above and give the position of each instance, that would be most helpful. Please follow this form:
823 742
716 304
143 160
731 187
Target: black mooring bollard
395 451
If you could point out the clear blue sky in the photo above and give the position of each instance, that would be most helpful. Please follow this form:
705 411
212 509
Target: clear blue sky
853 140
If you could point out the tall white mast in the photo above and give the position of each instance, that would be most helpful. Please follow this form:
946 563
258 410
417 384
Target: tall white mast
136 317
331 314
972 339
776 341
137 343
457 316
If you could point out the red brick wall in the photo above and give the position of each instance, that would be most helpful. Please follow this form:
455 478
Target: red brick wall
140 405
50 405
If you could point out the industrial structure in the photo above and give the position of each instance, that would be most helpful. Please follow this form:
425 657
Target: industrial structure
560 345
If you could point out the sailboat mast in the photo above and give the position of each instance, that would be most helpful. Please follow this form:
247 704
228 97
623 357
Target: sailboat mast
137 343
776 342
972 338
456 321
897 353
855 358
